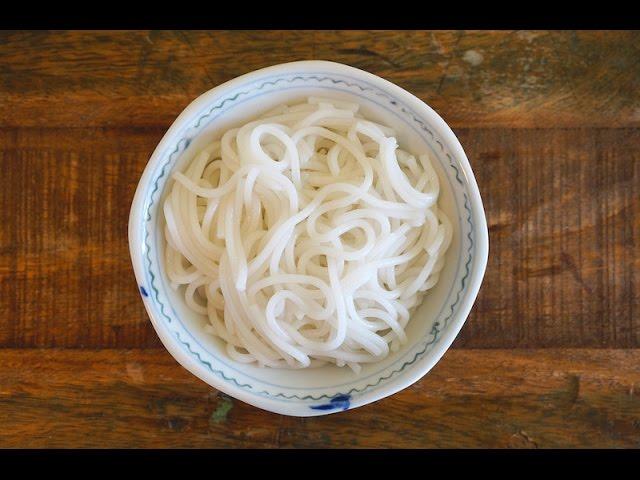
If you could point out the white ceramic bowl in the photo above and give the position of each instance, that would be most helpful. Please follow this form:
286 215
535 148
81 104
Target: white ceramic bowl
434 325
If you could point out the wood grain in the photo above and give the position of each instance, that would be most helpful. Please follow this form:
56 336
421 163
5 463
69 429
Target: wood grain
473 398
550 355
486 78
562 209
65 271
564 221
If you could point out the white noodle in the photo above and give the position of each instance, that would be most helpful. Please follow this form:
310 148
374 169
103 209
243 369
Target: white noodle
306 237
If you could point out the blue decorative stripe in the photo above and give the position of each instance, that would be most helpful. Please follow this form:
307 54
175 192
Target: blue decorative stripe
184 142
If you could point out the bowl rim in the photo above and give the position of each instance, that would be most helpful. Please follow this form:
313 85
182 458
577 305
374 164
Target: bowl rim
479 227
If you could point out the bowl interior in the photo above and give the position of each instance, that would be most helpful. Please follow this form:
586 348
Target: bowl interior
422 320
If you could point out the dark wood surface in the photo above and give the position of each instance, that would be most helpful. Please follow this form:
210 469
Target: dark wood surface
550 354
472 398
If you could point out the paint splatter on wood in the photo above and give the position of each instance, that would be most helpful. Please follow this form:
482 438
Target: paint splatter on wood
219 415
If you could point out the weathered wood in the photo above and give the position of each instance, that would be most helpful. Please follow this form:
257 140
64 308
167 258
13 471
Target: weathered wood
486 78
564 220
562 210
80 114
65 272
473 398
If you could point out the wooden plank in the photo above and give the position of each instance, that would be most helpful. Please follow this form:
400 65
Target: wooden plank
564 221
65 273
473 398
473 78
562 209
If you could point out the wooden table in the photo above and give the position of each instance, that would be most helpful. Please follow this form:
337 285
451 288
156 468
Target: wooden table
550 354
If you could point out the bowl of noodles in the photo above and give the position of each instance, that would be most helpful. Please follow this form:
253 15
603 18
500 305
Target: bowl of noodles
308 238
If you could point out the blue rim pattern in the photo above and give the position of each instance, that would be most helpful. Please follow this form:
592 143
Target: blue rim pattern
184 142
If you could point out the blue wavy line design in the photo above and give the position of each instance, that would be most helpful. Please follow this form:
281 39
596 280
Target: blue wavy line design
291 80
467 265
208 364
434 331
184 142
457 174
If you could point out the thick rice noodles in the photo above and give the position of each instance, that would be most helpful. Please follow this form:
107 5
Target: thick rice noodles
306 236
